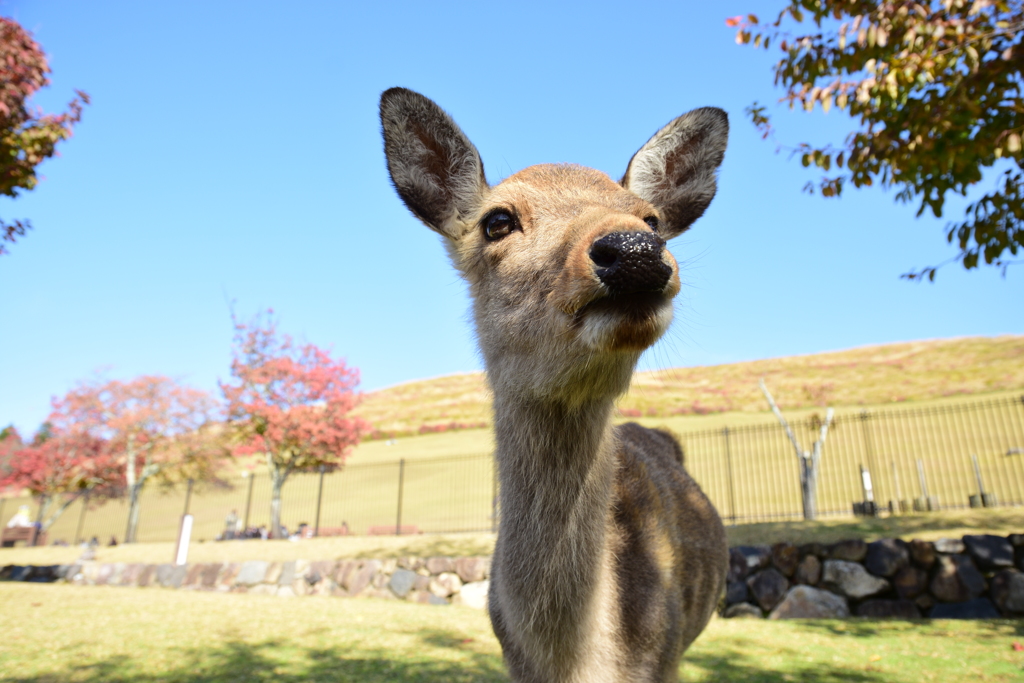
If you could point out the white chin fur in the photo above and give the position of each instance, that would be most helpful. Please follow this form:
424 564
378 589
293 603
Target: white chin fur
600 327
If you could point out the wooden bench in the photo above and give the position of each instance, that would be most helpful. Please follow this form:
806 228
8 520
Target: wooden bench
389 530
13 534
331 531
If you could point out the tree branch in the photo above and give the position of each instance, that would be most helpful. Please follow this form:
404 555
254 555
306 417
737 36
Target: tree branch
778 414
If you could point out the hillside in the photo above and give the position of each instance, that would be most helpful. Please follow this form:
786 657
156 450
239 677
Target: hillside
869 375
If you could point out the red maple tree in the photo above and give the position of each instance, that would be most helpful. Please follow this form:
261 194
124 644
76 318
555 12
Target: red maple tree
60 467
290 404
27 137
10 443
154 427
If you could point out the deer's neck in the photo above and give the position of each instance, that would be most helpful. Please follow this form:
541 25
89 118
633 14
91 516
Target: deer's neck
556 465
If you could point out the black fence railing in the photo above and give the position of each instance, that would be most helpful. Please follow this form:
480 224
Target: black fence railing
437 495
751 474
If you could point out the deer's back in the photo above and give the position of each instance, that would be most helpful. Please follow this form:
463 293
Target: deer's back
671 556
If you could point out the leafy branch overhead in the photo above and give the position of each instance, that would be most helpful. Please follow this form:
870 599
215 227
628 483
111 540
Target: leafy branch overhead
936 90
27 137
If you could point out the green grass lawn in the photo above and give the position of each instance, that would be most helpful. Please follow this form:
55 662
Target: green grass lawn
946 524
58 633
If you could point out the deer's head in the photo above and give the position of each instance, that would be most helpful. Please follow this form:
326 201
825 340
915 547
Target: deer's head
569 273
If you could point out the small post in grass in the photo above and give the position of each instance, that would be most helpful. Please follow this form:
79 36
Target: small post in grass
185 531
983 499
732 482
925 503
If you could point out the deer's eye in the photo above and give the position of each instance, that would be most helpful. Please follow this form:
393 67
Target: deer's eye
653 222
498 225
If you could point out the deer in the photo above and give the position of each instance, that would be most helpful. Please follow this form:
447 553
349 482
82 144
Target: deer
609 559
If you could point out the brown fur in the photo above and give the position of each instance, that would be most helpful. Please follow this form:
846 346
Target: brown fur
609 559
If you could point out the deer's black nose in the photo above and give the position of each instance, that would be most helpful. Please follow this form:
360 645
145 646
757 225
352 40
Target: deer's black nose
630 262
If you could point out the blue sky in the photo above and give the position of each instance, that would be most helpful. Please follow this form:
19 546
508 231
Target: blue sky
232 152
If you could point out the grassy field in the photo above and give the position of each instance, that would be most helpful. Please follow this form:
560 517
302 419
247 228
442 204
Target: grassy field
60 633
865 376
448 482
952 524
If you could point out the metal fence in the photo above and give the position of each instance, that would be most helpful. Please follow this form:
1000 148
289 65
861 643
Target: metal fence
436 495
750 473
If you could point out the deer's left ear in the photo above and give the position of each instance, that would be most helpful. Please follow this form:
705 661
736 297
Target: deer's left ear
676 170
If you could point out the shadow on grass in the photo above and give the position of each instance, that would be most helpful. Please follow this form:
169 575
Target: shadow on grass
282 662
285 662
869 628
737 667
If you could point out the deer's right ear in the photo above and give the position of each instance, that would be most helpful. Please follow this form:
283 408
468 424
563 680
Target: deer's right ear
434 167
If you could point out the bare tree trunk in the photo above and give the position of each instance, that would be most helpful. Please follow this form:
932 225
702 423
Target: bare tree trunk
45 501
808 461
44 505
131 479
275 507
809 487
277 477
136 480
133 512
60 510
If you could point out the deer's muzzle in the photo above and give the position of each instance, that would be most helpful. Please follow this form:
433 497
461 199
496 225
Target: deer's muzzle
631 262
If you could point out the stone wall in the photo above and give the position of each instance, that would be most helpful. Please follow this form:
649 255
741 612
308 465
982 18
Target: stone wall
435 580
977 577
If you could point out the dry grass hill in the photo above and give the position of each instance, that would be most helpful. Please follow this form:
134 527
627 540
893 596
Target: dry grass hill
869 375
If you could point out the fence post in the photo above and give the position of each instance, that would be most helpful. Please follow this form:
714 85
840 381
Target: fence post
188 495
401 486
2 502
869 447
319 497
81 517
248 500
896 483
494 496
732 485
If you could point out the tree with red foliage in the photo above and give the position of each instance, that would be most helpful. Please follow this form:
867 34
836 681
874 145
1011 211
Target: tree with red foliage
155 429
10 443
289 404
27 138
60 467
